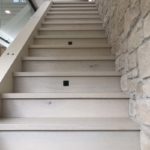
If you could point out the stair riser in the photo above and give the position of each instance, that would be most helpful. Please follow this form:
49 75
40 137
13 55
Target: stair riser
73 16
74 6
69 52
77 84
75 42
68 2
75 33
73 26
74 12
75 21
57 108
70 140
68 66
73 9
70 20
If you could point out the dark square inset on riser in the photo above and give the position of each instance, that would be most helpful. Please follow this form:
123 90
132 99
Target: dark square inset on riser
65 83
70 42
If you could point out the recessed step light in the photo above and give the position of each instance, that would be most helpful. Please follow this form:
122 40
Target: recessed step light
7 12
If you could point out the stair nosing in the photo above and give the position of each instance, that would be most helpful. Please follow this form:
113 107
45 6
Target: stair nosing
102 58
68 47
49 29
37 47
69 17
72 13
74 9
69 124
70 5
71 37
64 37
55 3
67 74
71 23
116 96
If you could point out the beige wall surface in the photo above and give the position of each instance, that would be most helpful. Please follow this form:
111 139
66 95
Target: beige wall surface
128 27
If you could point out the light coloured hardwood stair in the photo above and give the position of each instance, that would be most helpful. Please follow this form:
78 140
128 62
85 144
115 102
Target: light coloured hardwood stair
78 16
69 64
67 52
72 2
72 26
72 46
68 95
73 21
73 12
75 32
73 5
69 74
74 9
68 124
76 105
89 42
44 82
56 17
60 19
118 95
80 36
72 58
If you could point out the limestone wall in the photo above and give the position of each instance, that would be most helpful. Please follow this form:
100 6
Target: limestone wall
127 23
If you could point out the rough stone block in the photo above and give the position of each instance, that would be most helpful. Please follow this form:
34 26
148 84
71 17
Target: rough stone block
132 108
145 7
144 89
136 37
118 63
132 86
120 26
125 46
147 26
132 59
144 60
143 111
133 73
127 22
124 63
145 141
131 16
124 83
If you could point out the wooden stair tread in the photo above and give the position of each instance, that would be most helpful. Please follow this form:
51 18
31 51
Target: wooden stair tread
72 17
69 36
68 74
36 47
59 29
72 23
68 46
73 58
71 2
73 36
73 12
117 95
68 124
70 9
76 5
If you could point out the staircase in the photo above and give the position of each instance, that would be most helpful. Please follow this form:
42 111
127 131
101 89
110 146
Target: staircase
68 95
